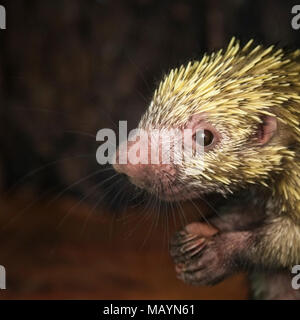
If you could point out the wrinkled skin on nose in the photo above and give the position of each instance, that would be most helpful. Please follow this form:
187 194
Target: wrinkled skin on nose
146 167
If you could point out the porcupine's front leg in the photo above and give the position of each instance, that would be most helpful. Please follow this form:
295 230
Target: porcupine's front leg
205 256
191 241
206 260
237 219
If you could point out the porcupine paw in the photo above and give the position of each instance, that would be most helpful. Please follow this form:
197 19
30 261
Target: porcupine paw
197 253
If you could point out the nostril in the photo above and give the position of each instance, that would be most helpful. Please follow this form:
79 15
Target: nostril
123 176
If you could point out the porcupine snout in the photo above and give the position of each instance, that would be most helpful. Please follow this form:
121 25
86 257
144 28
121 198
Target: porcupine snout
144 166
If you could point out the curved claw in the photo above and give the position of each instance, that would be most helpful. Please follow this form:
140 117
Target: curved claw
193 247
182 237
189 249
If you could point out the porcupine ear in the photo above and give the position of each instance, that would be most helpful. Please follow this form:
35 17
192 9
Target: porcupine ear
266 129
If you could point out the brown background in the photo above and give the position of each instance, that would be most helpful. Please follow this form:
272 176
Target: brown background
68 69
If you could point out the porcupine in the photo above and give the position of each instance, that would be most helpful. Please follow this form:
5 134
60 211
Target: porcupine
246 101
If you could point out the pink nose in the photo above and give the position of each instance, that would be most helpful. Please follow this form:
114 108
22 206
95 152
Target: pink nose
145 174
131 169
142 173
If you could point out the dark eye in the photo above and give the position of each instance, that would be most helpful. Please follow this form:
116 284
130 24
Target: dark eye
204 137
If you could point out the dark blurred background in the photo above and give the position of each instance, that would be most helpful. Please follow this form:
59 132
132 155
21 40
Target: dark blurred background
68 69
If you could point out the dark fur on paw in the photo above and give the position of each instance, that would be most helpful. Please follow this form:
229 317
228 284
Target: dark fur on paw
185 246
207 268
200 260
189 242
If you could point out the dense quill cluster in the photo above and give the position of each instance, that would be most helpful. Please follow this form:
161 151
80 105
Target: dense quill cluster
254 79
